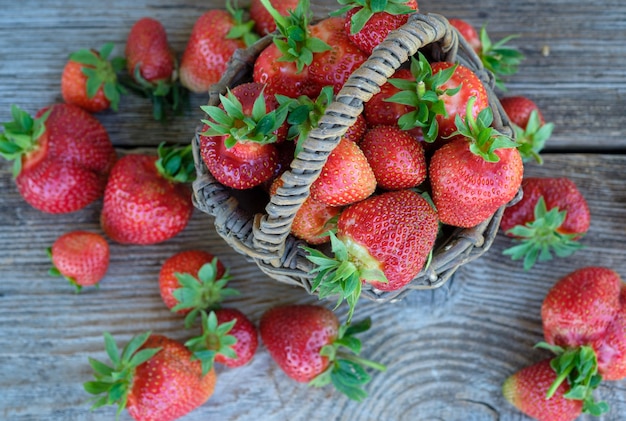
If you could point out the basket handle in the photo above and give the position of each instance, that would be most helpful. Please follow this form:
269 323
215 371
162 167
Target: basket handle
270 230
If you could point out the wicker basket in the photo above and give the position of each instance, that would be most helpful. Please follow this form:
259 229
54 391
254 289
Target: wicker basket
263 234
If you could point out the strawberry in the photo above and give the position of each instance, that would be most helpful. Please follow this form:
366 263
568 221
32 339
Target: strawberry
468 32
153 378
527 388
611 347
81 257
236 142
473 176
345 178
384 240
378 110
396 157
263 21
215 36
369 22
284 65
89 79
531 130
334 67
62 157
146 200
152 66
550 217
306 342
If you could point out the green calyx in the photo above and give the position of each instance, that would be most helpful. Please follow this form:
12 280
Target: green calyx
230 121
484 139
20 136
206 291
499 58
304 114
101 72
424 94
342 274
532 139
242 29
579 367
294 39
346 370
367 8
213 341
175 163
539 238
114 382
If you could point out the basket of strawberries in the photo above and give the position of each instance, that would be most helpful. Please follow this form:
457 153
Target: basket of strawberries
365 154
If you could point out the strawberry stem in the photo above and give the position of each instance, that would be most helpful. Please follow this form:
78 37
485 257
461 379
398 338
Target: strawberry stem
176 163
213 341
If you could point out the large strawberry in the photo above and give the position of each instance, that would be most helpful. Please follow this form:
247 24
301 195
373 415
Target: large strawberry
384 240
215 36
81 257
152 66
89 79
62 157
471 177
237 140
153 378
550 217
147 200
368 22
306 341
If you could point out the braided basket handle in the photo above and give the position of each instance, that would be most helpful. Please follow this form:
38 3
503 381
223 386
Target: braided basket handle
271 230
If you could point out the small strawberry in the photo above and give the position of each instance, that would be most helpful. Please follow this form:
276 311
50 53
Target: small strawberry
62 157
531 131
397 158
384 240
215 36
146 200
81 257
89 79
345 178
153 378
306 342
527 388
369 22
237 141
263 21
468 32
473 176
551 216
152 66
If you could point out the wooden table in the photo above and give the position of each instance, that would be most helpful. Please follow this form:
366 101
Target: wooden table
447 351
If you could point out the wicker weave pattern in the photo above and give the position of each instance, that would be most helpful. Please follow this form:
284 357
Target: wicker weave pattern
265 237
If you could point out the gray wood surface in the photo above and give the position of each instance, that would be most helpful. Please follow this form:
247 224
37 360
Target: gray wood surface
447 350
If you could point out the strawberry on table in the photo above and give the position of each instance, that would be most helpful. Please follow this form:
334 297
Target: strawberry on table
307 341
89 79
61 157
147 200
81 257
611 347
153 378
551 216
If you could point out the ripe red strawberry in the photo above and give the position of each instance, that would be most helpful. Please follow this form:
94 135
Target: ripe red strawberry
550 217
215 36
531 130
333 67
346 177
152 66
383 240
236 142
81 257
527 388
62 157
146 200
153 378
306 342
263 21
89 79
378 110
369 22
396 157
467 31
473 176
